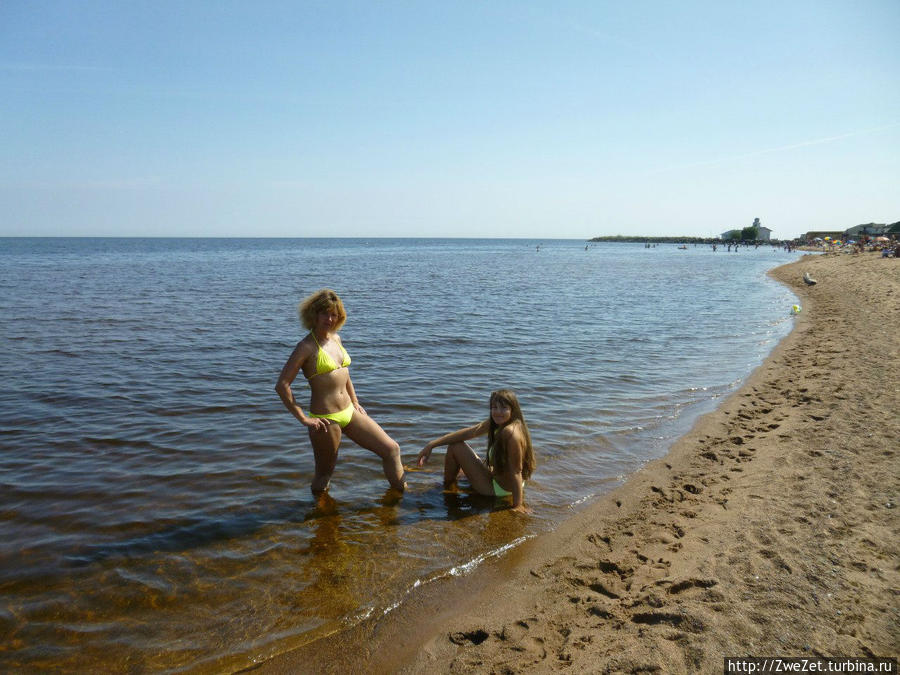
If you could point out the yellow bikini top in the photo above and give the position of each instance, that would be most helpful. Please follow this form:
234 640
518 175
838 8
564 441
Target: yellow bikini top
324 362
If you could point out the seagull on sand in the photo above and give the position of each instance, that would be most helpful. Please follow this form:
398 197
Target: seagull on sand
808 280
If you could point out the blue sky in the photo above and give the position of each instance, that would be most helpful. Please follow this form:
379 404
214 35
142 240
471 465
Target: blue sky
492 118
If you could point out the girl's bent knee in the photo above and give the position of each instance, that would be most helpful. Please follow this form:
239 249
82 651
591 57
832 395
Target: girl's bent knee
453 447
394 450
388 452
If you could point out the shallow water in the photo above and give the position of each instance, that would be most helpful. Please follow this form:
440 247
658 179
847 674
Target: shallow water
155 511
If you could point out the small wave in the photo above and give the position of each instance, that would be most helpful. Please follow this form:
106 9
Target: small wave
582 500
57 352
185 536
204 410
457 571
120 443
465 568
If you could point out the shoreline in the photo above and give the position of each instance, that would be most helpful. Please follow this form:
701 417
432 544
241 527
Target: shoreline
687 239
768 529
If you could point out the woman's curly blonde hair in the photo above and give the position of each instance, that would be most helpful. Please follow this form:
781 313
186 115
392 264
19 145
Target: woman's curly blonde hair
321 301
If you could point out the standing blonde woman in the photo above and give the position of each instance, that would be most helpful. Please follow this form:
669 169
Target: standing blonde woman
510 458
334 409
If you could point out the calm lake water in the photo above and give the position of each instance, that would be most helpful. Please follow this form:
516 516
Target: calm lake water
155 511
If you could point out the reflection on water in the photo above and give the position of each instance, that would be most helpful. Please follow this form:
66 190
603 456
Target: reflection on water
155 510
464 504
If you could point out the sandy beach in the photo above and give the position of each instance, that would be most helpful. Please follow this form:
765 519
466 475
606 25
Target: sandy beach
770 529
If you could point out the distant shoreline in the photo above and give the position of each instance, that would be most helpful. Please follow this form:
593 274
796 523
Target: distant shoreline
683 240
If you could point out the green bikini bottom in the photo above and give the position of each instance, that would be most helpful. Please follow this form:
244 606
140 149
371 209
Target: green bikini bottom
500 492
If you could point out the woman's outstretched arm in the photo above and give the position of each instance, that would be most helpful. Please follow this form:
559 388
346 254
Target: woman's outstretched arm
460 435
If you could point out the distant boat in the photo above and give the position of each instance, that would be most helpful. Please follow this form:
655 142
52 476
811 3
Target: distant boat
682 248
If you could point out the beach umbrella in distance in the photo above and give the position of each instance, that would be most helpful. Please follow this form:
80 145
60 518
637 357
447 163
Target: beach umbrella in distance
881 239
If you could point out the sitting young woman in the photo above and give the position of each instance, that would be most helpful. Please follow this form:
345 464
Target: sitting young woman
510 458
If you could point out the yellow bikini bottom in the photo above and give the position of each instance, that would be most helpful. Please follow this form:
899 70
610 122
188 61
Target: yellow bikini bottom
342 417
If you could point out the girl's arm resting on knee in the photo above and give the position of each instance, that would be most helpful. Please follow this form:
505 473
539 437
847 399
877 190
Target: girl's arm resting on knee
458 436
465 434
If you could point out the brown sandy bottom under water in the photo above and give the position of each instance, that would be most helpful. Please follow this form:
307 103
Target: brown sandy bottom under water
771 529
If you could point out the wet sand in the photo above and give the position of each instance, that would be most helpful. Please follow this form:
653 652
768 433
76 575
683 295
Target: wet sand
770 529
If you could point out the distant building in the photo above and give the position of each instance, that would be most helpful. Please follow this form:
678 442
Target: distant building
856 232
762 233
871 229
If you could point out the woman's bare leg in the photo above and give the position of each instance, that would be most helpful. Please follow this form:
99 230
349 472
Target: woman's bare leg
452 469
365 432
461 456
325 449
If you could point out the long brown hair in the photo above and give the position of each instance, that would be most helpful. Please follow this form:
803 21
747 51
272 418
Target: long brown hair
509 398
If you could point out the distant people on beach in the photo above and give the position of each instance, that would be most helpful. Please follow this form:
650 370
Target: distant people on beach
334 408
509 460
